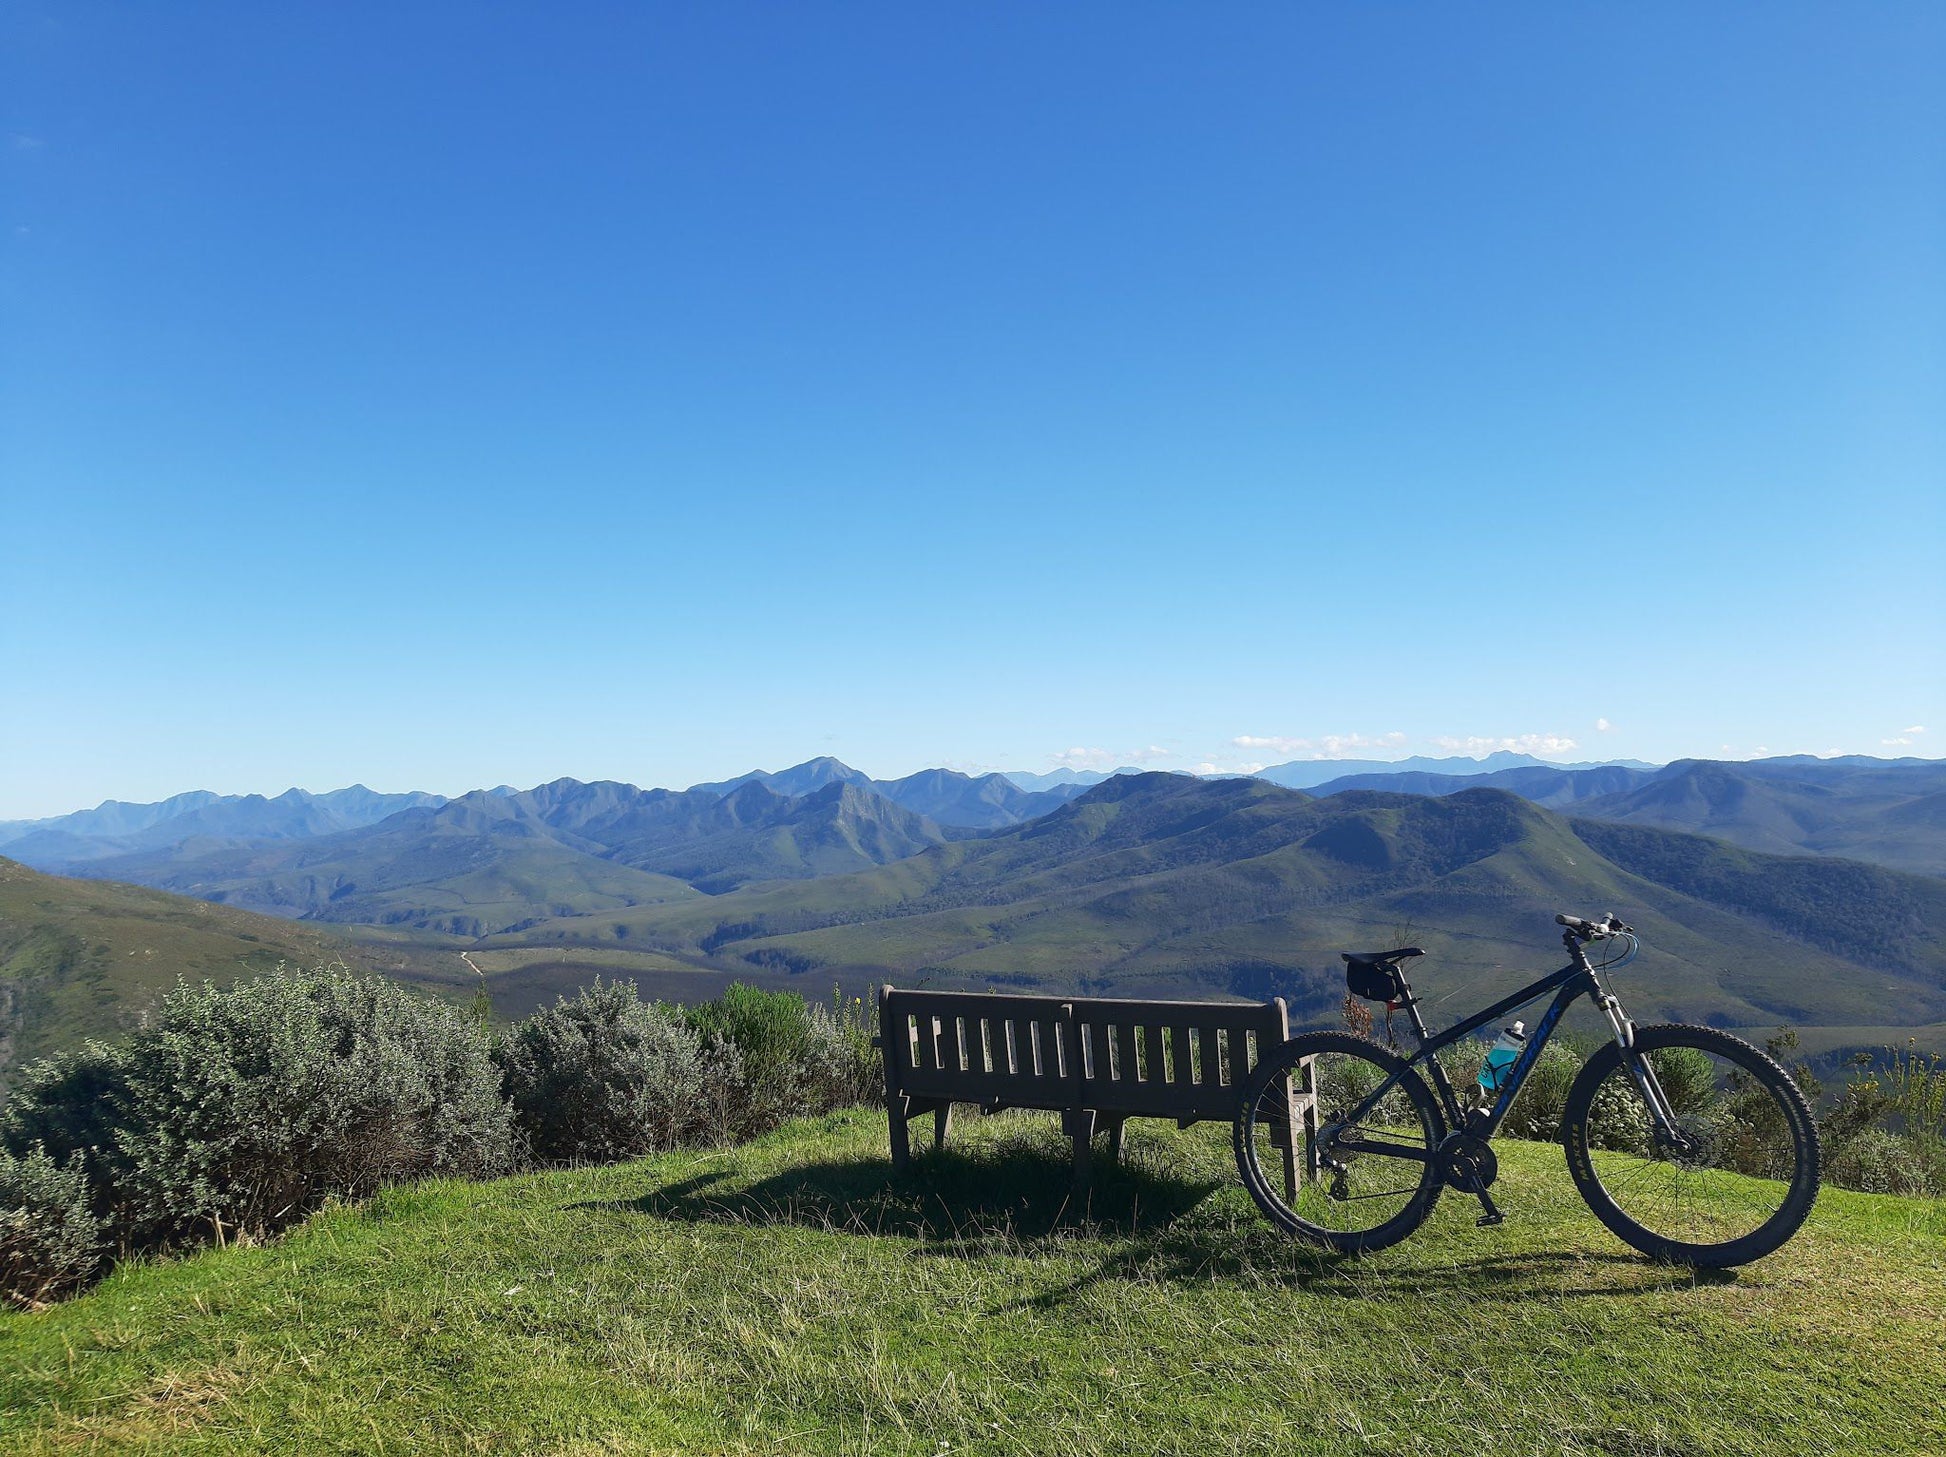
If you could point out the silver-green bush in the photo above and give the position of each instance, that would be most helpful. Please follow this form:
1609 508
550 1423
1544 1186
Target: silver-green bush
242 1110
1879 1162
69 1106
603 1075
50 1239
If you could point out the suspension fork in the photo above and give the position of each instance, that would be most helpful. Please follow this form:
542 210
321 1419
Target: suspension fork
1661 1113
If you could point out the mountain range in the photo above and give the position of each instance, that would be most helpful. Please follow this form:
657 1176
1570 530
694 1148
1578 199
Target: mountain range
1888 811
116 831
950 798
1161 881
1179 886
487 863
117 828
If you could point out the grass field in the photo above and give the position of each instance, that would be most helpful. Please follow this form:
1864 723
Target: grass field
788 1296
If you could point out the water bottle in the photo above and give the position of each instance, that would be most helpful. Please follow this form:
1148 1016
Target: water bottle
1501 1057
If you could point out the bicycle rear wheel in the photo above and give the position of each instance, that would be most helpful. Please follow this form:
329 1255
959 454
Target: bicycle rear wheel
1366 1181
1741 1179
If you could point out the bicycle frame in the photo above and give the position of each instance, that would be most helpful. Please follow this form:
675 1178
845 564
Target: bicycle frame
1577 979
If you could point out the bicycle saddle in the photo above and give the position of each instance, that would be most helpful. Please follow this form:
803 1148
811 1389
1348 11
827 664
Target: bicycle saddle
1373 958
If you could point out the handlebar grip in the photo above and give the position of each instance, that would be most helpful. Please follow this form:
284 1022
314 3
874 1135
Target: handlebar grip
1609 925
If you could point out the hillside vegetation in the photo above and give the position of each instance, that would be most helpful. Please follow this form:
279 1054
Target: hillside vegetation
81 958
788 1296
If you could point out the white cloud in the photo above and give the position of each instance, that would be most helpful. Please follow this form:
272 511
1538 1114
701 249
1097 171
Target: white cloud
1325 746
1895 743
1208 767
1917 728
1084 759
1276 743
1603 726
1106 758
1540 746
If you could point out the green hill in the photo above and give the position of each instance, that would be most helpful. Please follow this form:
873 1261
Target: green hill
1186 886
789 1297
82 958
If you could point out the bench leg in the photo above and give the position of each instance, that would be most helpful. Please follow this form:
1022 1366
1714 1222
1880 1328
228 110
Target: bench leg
1283 1133
1307 1121
942 1124
1115 1138
896 1113
1081 1127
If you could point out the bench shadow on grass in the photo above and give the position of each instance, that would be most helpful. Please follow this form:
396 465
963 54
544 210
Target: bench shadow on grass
1016 1202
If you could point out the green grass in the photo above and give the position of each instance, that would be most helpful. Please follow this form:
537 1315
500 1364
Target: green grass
790 1296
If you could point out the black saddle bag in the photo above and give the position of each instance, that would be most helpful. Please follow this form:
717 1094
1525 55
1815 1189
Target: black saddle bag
1376 981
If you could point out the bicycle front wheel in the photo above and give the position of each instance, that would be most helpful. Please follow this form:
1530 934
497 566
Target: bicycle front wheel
1737 1179
1321 1163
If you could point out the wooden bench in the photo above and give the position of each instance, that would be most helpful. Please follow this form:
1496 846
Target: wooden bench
1097 1061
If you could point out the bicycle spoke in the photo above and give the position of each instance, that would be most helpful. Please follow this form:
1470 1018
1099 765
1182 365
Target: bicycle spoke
1719 1182
1372 1134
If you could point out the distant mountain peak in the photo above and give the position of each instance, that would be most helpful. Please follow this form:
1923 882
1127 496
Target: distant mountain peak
797 780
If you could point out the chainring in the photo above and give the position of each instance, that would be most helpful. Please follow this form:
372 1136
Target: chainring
1467 1162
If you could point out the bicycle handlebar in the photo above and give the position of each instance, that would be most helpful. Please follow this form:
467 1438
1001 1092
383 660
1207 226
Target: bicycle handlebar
1608 925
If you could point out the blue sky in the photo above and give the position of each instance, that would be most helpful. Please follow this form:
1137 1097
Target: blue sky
437 396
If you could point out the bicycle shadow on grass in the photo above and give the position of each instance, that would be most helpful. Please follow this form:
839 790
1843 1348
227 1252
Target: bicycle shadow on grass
1147 1224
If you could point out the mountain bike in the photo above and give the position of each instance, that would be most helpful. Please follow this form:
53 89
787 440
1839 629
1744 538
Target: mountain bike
1687 1143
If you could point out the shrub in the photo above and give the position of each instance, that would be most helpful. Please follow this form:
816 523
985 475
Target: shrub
68 1107
1543 1098
242 1110
1687 1077
1879 1162
604 1075
796 1058
855 1071
771 1031
50 1238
